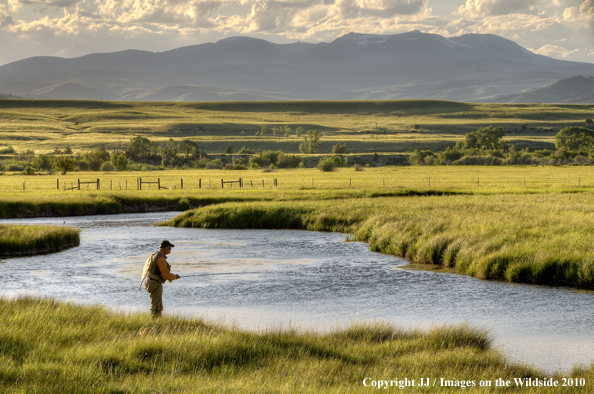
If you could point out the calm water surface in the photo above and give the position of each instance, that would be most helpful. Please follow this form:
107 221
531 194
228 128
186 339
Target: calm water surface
301 279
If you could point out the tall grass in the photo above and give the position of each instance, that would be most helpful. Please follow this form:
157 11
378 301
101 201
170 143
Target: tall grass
19 240
52 347
541 238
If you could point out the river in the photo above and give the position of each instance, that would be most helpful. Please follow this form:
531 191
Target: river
256 279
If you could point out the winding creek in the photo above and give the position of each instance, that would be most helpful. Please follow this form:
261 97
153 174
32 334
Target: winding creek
302 279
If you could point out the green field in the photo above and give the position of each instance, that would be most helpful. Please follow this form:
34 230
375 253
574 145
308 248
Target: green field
365 126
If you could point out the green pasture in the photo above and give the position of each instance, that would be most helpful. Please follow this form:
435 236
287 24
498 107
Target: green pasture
52 347
306 181
366 126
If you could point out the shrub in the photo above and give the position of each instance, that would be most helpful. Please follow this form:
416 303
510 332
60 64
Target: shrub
288 161
7 150
419 157
339 148
29 171
245 150
326 164
229 150
107 166
216 164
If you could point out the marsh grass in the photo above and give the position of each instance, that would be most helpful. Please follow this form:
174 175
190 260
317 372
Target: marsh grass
529 238
19 240
52 347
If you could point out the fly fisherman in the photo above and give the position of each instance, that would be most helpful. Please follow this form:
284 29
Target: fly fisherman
156 272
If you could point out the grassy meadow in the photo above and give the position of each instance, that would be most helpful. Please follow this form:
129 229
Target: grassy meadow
365 126
52 347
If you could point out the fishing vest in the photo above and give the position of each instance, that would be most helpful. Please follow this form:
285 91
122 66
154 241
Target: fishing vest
153 269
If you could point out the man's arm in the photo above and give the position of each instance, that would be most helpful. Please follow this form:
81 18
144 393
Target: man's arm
162 264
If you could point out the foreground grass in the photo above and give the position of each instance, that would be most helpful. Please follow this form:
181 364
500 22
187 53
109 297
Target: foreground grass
540 238
18 240
52 347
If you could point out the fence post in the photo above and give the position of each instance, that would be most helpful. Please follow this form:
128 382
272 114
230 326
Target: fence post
240 182
58 184
120 185
79 184
429 181
139 183
182 183
111 184
251 183
275 182
24 185
200 183
222 184
158 183
126 184
98 184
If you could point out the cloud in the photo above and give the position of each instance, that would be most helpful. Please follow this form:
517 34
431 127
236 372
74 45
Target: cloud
477 8
18 5
554 51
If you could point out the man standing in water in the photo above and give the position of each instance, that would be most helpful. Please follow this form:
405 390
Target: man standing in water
156 272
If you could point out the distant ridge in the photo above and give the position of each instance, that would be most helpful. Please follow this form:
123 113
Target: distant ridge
576 90
413 65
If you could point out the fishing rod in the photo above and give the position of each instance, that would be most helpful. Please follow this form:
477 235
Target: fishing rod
219 273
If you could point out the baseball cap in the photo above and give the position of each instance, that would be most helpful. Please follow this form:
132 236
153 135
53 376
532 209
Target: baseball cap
166 244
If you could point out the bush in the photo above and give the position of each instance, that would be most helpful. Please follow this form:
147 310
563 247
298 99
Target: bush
329 163
14 167
419 157
288 161
245 150
479 161
229 150
7 150
107 166
216 164
339 148
29 171
326 164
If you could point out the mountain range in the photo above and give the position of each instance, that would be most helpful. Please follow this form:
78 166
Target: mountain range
413 65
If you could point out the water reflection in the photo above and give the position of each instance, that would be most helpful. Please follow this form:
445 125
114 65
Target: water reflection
263 278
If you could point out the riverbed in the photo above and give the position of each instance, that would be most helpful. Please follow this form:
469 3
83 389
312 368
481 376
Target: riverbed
257 279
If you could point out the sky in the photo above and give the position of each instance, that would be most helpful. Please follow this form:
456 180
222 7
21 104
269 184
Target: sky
562 29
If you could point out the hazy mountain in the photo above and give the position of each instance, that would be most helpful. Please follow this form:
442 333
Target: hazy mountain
356 66
576 90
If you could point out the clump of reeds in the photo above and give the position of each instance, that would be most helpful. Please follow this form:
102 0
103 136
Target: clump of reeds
20 240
